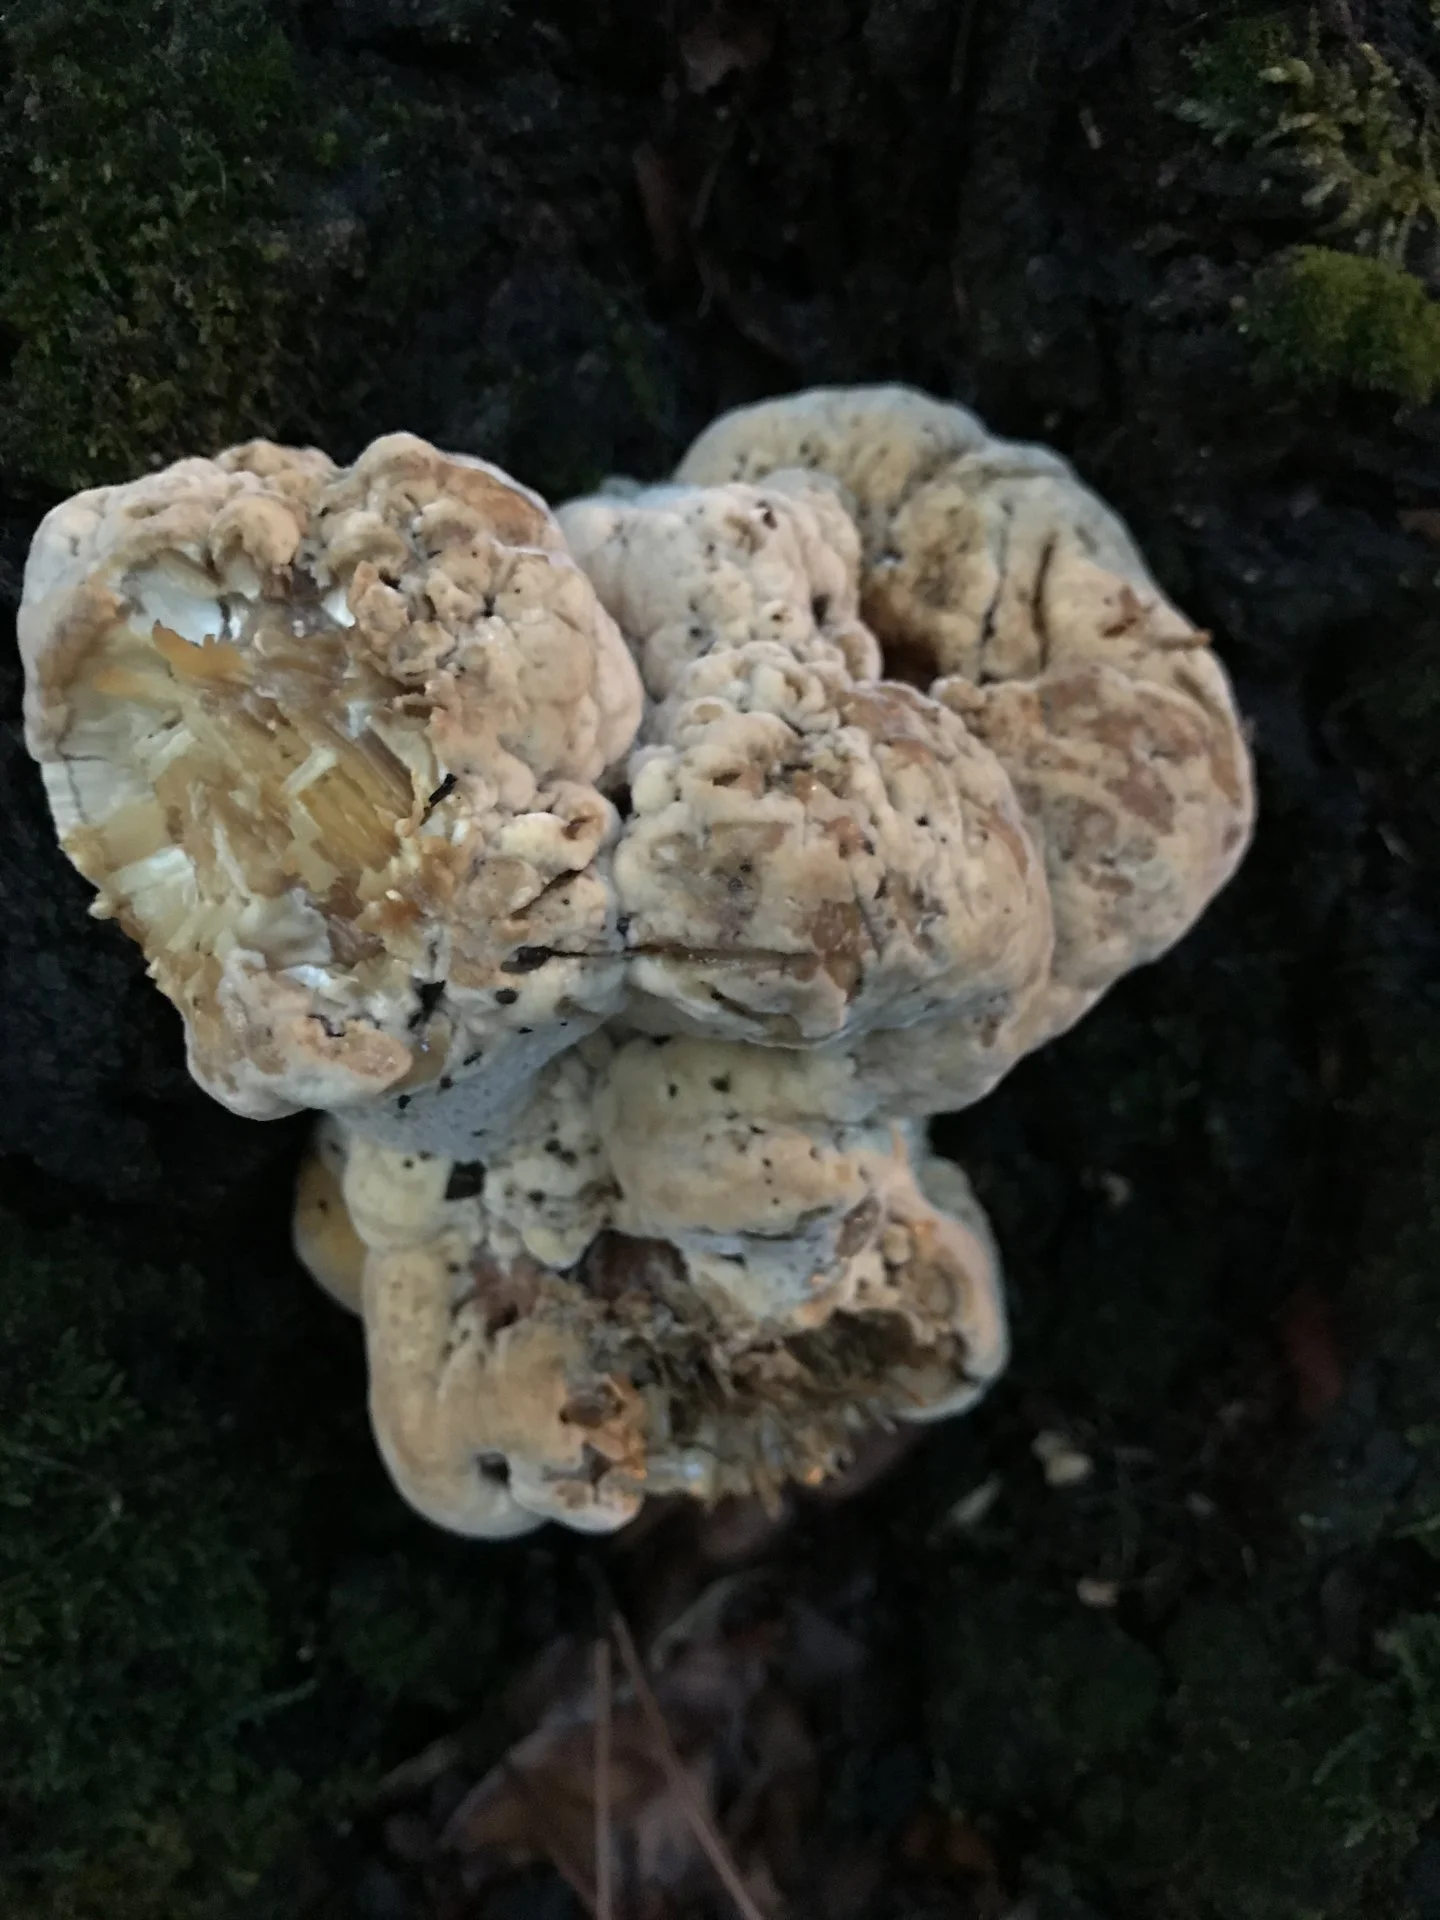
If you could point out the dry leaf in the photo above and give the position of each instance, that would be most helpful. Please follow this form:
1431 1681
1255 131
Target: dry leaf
540 1802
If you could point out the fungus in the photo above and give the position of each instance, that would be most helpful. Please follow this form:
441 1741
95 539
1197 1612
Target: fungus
626 887
992 577
814 853
327 742
714 1307
325 1237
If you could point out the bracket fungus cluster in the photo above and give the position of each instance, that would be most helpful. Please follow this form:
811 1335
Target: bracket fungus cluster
625 886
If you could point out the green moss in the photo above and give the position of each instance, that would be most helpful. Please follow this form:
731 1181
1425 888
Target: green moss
180 1692
1360 128
1210 1776
411 1633
208 233
170 1866
137 1641
1366 137
1230 97
1321 315
148 273
1036 1700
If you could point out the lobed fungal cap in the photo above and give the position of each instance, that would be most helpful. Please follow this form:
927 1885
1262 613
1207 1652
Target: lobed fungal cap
327 743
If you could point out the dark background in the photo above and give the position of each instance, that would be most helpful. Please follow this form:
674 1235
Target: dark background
564 235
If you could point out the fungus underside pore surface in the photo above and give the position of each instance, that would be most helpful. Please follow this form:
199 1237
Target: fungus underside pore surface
1219 1199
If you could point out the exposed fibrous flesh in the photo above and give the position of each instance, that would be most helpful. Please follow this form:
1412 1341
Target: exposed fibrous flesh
625 886
564 1361
326 742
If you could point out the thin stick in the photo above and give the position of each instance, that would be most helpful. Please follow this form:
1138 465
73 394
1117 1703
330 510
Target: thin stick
604 1859
679 1779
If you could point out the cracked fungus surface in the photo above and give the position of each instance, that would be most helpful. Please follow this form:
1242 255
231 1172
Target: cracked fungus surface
327 744
813 852
998 582
626 886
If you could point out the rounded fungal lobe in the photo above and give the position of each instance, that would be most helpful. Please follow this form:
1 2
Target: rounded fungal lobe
812 853
712 1291
999 583
326 1242
327 742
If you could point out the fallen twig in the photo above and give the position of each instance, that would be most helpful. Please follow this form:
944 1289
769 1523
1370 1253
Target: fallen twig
676 1774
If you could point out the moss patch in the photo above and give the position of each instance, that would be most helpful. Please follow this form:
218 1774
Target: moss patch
1359 126
189 1671
1342 137
138 1638
1321 315
148 269
211 232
